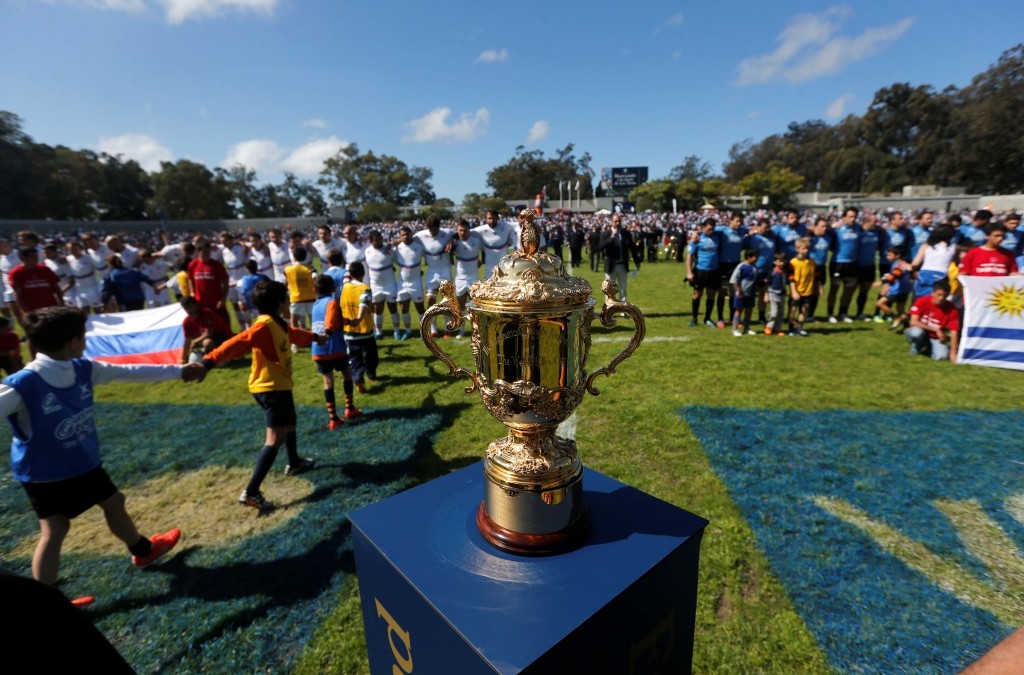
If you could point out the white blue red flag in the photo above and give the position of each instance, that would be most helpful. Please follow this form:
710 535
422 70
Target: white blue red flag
993 327
144 336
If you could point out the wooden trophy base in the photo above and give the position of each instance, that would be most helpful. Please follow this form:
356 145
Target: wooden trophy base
552 543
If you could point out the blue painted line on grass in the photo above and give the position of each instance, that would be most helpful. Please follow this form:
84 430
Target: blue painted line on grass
869 610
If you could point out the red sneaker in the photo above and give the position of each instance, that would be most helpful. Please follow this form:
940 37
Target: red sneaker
84 601
162 543
352 413
335 423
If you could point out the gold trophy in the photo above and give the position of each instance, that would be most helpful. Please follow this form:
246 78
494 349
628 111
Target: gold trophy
531 337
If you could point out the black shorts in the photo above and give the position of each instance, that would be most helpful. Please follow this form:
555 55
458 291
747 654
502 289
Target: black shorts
710 279
819 274
726 270
71 497
866 274
279 407
328 366
844 271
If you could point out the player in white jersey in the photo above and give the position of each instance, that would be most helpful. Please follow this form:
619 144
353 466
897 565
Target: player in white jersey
9 259
83 271
59 266
409 255
99 253
380 261
173 254
437 243
325 243
129 254
280 256
466 251
233 256
259 252
155 269
499 236
353 248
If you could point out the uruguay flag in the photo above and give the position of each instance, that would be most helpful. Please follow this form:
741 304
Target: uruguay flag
993 331
143 336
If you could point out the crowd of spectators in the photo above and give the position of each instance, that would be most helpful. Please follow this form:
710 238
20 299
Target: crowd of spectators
907 254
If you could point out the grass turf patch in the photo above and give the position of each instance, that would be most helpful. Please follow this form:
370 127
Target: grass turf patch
241 591
895 538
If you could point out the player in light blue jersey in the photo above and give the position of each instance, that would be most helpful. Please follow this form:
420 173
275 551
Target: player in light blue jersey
730 254
845 241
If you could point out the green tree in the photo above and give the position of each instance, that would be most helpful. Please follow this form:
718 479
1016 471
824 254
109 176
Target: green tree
443 208
528 171
355 178
125 189
187 190
777 183
988 127
693 168
378 212
654 194
15 149
476 204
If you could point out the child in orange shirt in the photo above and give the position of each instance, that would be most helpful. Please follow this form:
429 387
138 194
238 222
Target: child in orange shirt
270 382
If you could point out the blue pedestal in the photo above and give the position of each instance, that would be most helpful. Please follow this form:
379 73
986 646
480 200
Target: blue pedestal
437 598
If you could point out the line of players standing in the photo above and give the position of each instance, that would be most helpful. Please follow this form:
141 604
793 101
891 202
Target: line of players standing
853 252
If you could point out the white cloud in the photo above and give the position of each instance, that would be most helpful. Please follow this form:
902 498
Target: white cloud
492 56
434 126
179 11
809 47
675 20
538 131
837 107
143 148
259 154
315 123
308 160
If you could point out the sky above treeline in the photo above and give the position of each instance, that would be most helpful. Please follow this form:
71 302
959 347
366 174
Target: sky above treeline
280 85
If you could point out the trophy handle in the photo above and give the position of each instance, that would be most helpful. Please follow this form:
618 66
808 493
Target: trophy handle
448 307
613 306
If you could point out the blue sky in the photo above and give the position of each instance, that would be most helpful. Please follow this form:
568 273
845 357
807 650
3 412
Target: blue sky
281 84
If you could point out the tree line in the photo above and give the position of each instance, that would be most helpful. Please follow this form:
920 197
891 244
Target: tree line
971 137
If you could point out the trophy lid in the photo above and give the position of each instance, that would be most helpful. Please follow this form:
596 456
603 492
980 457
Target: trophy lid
530 279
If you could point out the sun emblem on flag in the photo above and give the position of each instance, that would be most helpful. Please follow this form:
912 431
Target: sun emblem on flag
1007 299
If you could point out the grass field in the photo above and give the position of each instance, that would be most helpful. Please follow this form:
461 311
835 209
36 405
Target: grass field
634 431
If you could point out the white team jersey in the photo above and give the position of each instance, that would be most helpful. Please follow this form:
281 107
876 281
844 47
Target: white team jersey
324 250
264 265
129 255
234 262
354 252
280 257
156 272
99 257
497 241
467 256
83 270
173 254
60 268
409 259
437 257
380 265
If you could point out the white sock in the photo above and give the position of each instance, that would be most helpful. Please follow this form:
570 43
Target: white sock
378 322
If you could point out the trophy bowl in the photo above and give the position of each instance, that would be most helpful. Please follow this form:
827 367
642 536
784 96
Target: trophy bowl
531 339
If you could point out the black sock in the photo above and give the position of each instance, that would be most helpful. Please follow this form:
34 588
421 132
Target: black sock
720 305
707 310
813 306
141 548
264 461
291 443
695 308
